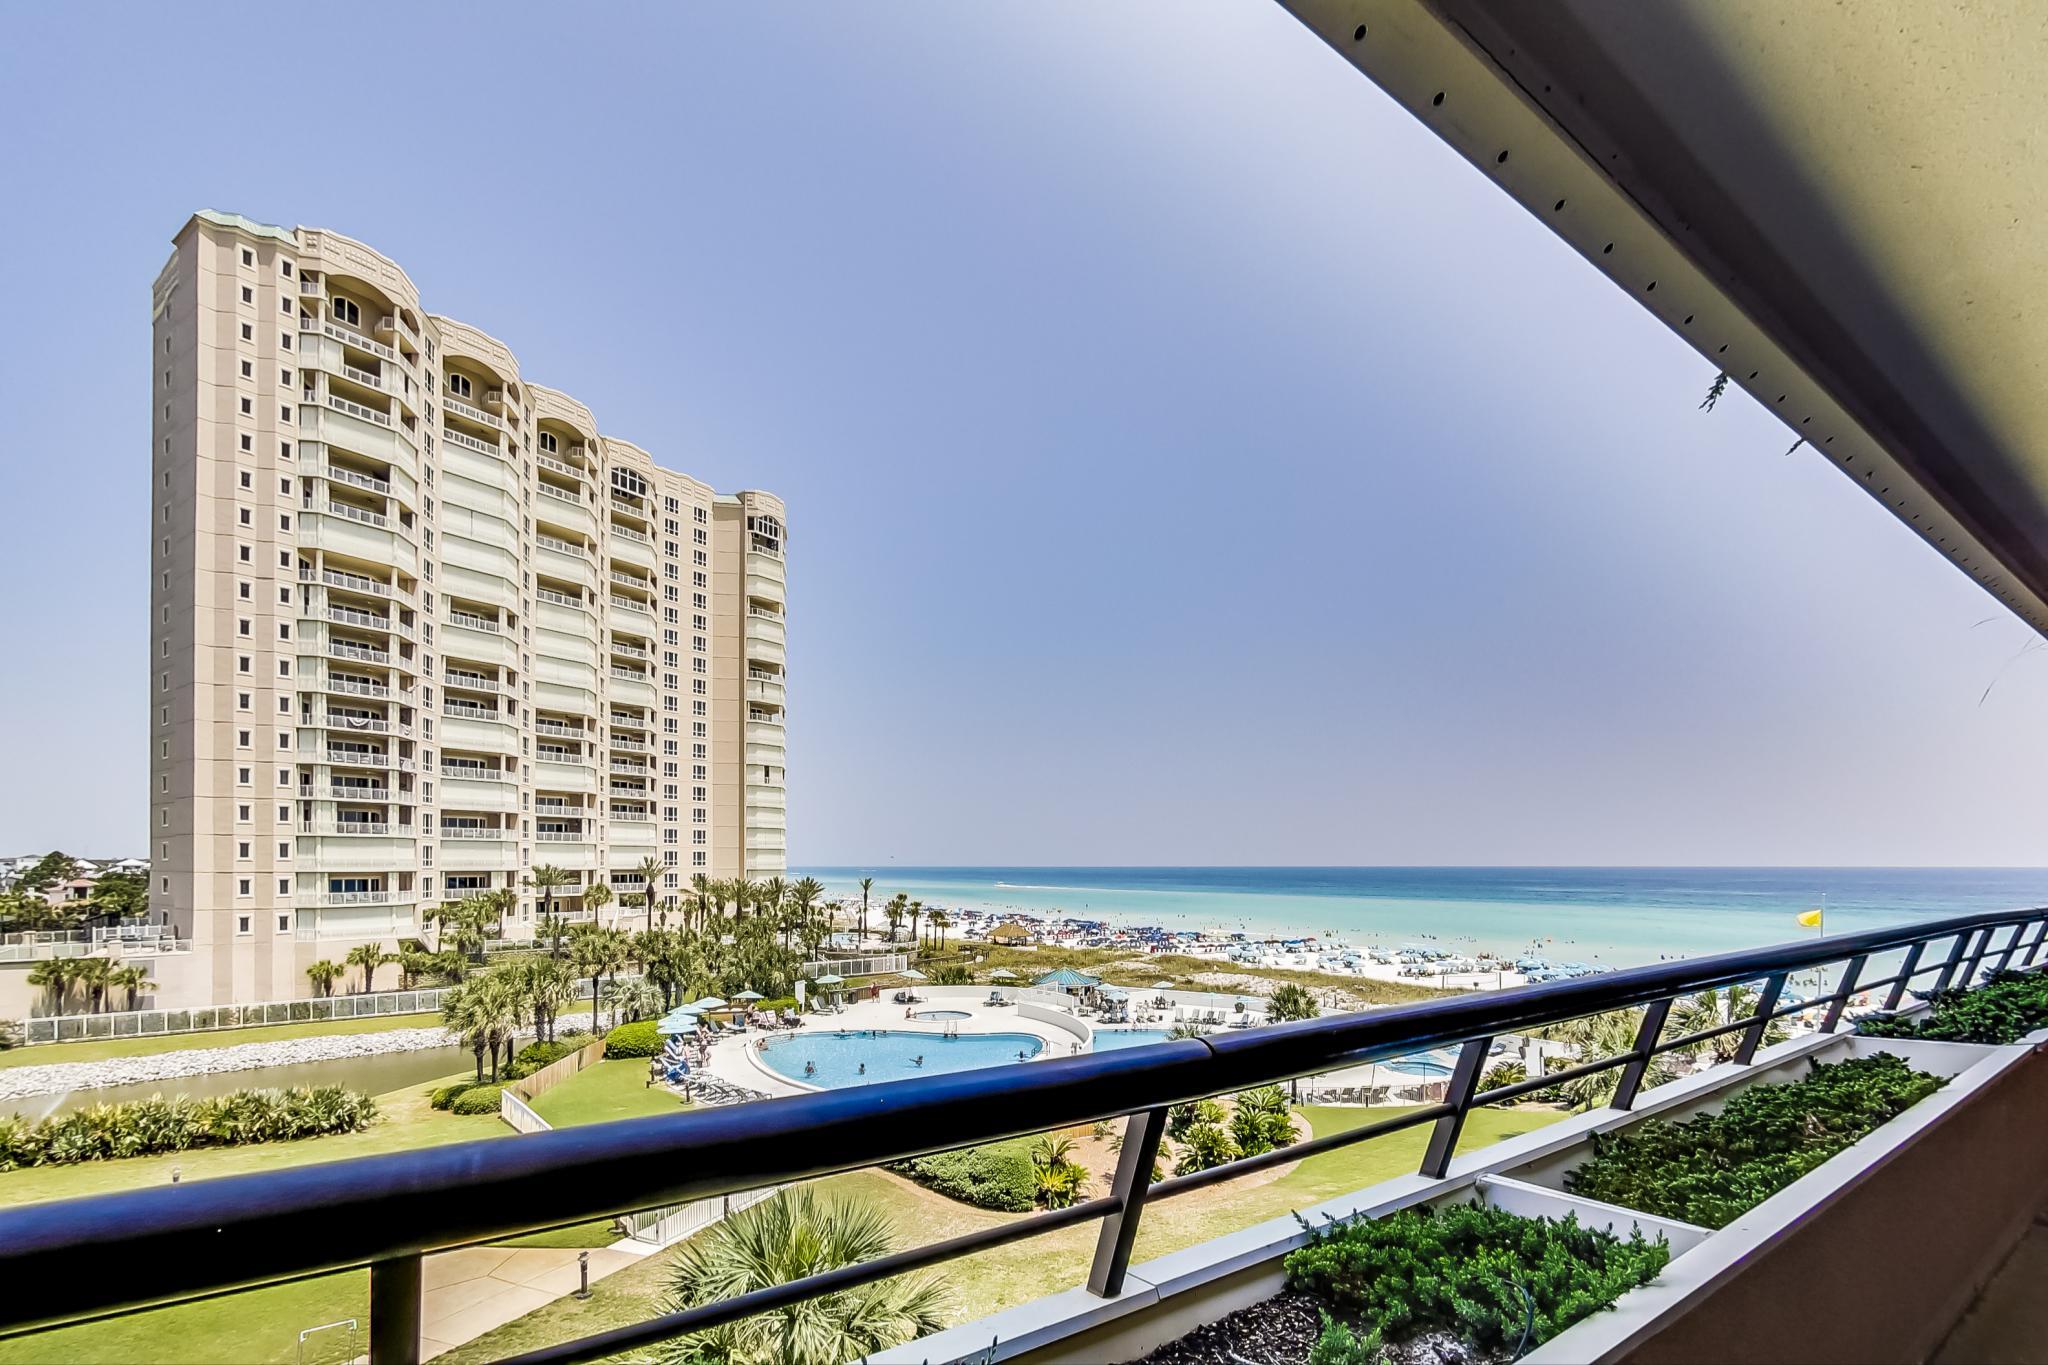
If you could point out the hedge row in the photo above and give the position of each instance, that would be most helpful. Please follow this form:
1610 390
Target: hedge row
998 1175
155 1125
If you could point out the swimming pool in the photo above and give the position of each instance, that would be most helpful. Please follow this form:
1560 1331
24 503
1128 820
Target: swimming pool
841 1060
945 1014
1425 1064
1111 1039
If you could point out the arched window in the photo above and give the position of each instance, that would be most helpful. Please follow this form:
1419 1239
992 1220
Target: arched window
345 310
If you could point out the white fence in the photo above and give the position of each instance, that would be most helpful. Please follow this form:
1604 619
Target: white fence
856 966
519 1113
671 1223
66 1028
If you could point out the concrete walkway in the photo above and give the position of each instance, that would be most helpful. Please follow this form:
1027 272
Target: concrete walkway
470 1291
2008 1325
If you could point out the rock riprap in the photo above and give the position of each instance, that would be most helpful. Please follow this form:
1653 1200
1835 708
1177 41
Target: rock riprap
59 1077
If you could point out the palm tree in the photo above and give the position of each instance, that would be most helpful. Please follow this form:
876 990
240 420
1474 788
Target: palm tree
916 913
650 873
940 919
368 956
464 1014
596 897
742 893
630 1000
93 974
894 912
548 986
1599 1036
499 1008
1712 1009
548 879
788 1237
323 974
54 974
134 980
867 884
596 953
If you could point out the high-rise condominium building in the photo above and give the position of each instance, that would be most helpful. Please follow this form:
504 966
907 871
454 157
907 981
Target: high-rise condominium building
418 628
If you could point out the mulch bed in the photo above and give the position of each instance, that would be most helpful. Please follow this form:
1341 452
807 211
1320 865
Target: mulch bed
1281 1331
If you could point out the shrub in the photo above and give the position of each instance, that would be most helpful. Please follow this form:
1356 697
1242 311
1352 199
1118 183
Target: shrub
1203 1145
1709 1169
997 1175
1261 1121
638 1039
478 1099
1503 1073
1466 1269
1060 1179
534 1056
444 1096
1181 1117
1339 1345
777 1005
952 974
2004 1010
103 1132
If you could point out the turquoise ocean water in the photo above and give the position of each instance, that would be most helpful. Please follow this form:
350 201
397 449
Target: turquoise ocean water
1610 916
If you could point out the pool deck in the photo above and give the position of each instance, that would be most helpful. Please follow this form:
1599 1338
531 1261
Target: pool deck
733 1059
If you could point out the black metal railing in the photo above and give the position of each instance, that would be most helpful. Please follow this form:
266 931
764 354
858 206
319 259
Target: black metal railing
84 1259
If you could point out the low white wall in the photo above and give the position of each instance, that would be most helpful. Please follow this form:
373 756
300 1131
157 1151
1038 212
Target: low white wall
1059 1019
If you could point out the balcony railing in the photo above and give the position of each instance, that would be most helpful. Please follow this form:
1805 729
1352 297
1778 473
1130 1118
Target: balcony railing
630 722
350 476
358 411
342 509
560 599
360 376
561 836
560 546
630 675
357 689
550 491
349 616
342 649
472 832
546 461
352 827
630 534
474 682
472 772
470 621
474 414
631 604
628 651
369 795
556 727
468 442
347 337
386 1211
632 745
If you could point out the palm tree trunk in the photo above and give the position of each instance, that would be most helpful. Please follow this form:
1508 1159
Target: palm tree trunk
479 1063
593 1004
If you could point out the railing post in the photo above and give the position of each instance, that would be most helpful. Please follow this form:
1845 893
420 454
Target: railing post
1443 1139
1119 1230
1753 1036
395 1289
1955 959
1906 971
1977 956
1638 1066
2040 936
2012 945
1842 994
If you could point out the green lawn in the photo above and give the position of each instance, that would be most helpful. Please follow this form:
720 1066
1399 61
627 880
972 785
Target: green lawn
1010 1275
614 1089
99 1049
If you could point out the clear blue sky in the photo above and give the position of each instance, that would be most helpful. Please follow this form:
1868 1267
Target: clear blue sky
1188 459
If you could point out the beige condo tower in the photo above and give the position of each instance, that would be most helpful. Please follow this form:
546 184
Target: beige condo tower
417 627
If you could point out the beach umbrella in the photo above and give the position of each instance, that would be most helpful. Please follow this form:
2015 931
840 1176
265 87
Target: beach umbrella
709 1002
828 979
914 974
1002 974
1162 985
750 995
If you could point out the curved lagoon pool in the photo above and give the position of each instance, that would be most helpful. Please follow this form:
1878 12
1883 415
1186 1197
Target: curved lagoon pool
839 1060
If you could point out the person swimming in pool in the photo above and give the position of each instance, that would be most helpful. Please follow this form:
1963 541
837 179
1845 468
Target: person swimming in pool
863 1070
918 1060
810 1068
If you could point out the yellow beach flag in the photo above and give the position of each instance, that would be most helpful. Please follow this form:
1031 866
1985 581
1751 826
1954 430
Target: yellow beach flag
1811 919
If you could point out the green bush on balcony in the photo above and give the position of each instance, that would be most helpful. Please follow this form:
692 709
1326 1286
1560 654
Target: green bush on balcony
1464 1269
2004 1010
637 1039
1710 1169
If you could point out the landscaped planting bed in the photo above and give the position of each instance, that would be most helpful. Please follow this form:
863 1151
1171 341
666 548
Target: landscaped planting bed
1711 1168
106 1132
2004 1010
1459 1283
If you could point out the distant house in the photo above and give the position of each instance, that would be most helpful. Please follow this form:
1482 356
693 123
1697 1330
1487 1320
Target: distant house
1011 935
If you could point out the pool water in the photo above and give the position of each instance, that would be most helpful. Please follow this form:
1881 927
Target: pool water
945 1014
1109 1040
1423 1064
889 1055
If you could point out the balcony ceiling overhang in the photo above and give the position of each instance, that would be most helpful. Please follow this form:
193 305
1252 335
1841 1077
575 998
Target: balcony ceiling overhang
1844 206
